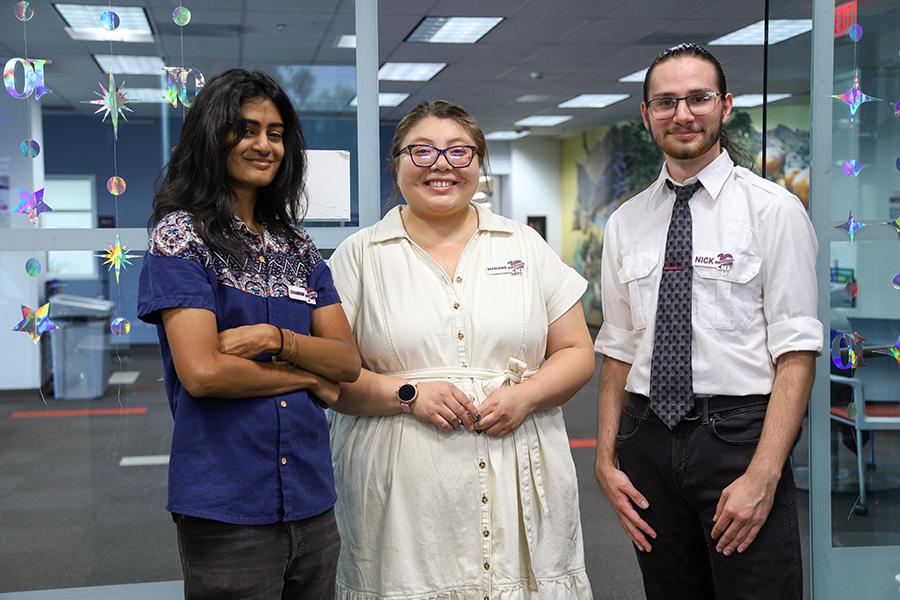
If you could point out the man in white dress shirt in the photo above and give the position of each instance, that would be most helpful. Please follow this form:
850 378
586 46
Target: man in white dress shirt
709 342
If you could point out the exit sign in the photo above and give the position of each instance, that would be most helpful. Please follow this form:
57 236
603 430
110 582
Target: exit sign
845 15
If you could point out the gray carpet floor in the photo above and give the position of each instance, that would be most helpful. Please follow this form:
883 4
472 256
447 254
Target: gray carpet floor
71 517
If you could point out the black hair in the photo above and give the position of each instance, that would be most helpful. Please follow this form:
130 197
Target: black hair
738 154
196 178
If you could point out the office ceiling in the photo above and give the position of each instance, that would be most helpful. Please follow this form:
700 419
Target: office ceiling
548 50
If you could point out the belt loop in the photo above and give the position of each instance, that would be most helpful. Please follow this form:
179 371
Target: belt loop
704 409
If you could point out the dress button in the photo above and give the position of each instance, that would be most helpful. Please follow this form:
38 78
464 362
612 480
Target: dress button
484 499
456 305
458 279
486 533
487 566
481 465
283 460
460 335
283 404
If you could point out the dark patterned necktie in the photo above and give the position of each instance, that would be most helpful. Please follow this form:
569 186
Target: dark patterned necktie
671 377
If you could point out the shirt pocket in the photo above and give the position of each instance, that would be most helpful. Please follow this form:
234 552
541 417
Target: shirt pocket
728 297
638 274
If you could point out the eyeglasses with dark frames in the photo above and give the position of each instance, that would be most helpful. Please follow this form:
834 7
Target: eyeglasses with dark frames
425 155
699 104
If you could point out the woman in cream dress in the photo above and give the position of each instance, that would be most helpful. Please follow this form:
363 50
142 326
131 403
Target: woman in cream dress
467 489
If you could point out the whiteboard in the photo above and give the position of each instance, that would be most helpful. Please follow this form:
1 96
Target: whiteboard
328 185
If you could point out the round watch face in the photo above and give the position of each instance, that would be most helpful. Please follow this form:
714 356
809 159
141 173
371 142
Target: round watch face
407 392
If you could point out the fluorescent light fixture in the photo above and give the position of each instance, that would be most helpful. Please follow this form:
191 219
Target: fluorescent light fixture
83 22
145 95
505 135
593 100
636 77
753 35
534 98
387 98
123 64
453 30
407 71
543 120
347 41
751 100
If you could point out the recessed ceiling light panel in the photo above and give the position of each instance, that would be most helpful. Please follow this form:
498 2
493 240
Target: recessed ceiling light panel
754 35
543 120
408 71
505 135
453 30
123 64
593 100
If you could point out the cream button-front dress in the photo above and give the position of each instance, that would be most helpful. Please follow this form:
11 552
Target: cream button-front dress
429 514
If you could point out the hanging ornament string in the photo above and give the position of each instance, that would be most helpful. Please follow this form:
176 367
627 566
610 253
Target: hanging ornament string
35 321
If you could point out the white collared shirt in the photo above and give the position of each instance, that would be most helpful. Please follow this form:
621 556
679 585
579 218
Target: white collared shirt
748 308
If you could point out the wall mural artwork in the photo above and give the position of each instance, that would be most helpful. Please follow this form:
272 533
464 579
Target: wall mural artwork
607 166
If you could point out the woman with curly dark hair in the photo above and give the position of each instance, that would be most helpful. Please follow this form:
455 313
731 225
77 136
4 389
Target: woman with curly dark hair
254 344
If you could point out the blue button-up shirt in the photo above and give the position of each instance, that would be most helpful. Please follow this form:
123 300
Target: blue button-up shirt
247 461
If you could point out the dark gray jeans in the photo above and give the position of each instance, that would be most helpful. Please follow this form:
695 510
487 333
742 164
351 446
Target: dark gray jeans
682 474
286 561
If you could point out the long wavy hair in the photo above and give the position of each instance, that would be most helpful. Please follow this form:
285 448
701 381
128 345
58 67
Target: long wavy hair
737 152
196 178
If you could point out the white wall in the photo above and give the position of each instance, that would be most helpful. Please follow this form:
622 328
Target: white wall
535 184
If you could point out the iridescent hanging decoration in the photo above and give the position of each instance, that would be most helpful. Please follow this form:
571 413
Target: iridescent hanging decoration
897 164
852 168
35 322
892 351
117 257
856 32
33 77
109 20
895 224
851 226
897 109
112 101
115 185
846 350
31 204
29 148
181 16
24 11
896 281
33 267
855 97
120 326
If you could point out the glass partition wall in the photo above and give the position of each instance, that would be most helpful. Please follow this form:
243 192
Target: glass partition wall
855 203
85 426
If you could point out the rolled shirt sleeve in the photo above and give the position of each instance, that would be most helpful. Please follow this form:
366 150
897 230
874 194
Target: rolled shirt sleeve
617 338
790 291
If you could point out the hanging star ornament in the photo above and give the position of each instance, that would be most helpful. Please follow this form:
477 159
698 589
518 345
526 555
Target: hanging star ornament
31 204
112 101
117 257
895 224
851 226
855 97
892 351
35 322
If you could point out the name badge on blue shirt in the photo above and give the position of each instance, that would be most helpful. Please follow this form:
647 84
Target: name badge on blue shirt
296 292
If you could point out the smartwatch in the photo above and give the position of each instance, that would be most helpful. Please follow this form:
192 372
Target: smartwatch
407 394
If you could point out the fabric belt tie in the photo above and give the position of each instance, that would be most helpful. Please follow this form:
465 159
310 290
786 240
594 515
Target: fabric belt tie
671 375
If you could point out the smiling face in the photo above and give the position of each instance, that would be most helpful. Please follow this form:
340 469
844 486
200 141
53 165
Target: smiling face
255 160
439 190
685 136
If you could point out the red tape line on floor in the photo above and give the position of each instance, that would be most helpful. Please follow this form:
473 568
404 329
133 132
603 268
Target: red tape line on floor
85 412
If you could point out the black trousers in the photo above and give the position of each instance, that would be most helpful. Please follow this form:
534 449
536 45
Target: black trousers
682 474
286 561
